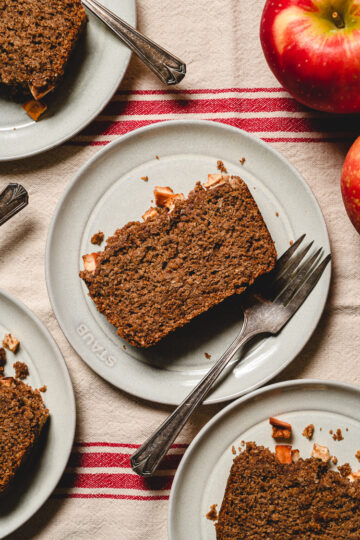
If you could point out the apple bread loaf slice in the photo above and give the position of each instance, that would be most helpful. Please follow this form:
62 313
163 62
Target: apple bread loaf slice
187 256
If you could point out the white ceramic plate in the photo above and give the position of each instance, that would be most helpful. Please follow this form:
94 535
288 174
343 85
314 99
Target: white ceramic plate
46 366
95 72
108 192
203 472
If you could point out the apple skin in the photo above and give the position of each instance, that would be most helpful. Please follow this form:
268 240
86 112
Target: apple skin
314 59
350 184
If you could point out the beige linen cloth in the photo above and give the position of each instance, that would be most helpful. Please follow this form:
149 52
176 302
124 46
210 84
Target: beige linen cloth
227 80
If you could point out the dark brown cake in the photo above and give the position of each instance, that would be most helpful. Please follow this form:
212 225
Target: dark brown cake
156 276
22 417
37 38
267 499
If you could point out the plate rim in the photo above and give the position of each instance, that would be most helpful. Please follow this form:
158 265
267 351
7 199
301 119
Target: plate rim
223 412
101 155
93 114
39 502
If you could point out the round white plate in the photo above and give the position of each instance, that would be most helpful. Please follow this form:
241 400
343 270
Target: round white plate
46 366
94 73
108 192
203 472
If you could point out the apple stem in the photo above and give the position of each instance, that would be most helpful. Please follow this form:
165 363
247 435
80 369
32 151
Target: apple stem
338 20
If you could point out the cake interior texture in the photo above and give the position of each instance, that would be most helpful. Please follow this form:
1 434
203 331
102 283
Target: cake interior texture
22 418
157 275
37 38
267 499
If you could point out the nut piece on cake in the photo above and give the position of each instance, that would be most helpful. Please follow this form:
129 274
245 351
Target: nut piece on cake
165 197
216 180
321 452
10 342
354 475
34 108
22 418
90 262
150 213
283 453
280 429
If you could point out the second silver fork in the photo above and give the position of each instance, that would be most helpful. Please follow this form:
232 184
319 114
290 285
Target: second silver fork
267 311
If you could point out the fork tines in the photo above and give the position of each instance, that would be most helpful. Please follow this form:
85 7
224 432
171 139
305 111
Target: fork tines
295 276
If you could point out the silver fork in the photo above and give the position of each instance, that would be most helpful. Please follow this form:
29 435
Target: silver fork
278 296
169 68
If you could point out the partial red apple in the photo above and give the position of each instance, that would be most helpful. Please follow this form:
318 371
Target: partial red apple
350 184
313 49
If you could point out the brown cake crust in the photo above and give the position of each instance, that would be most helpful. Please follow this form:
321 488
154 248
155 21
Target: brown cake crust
268 499
156 276
22 417
37 38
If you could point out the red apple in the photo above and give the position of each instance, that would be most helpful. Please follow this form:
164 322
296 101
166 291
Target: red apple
350 184
313 49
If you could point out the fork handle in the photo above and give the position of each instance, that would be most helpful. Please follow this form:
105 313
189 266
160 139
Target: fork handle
147 458
165 65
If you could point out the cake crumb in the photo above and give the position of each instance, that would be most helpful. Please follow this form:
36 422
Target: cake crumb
145 178
220 166
338 436
334 459
10 342
344 470
212 514
157 157
320 429
346 429
207 355
124 347
97 238
43 388
21 370
331 431
277 214
308 431
233 449
291 242
242 160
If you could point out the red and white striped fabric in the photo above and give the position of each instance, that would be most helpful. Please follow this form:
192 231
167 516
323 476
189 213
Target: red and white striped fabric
269 113
101 470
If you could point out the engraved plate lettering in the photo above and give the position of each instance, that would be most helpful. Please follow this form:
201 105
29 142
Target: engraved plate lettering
99 350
